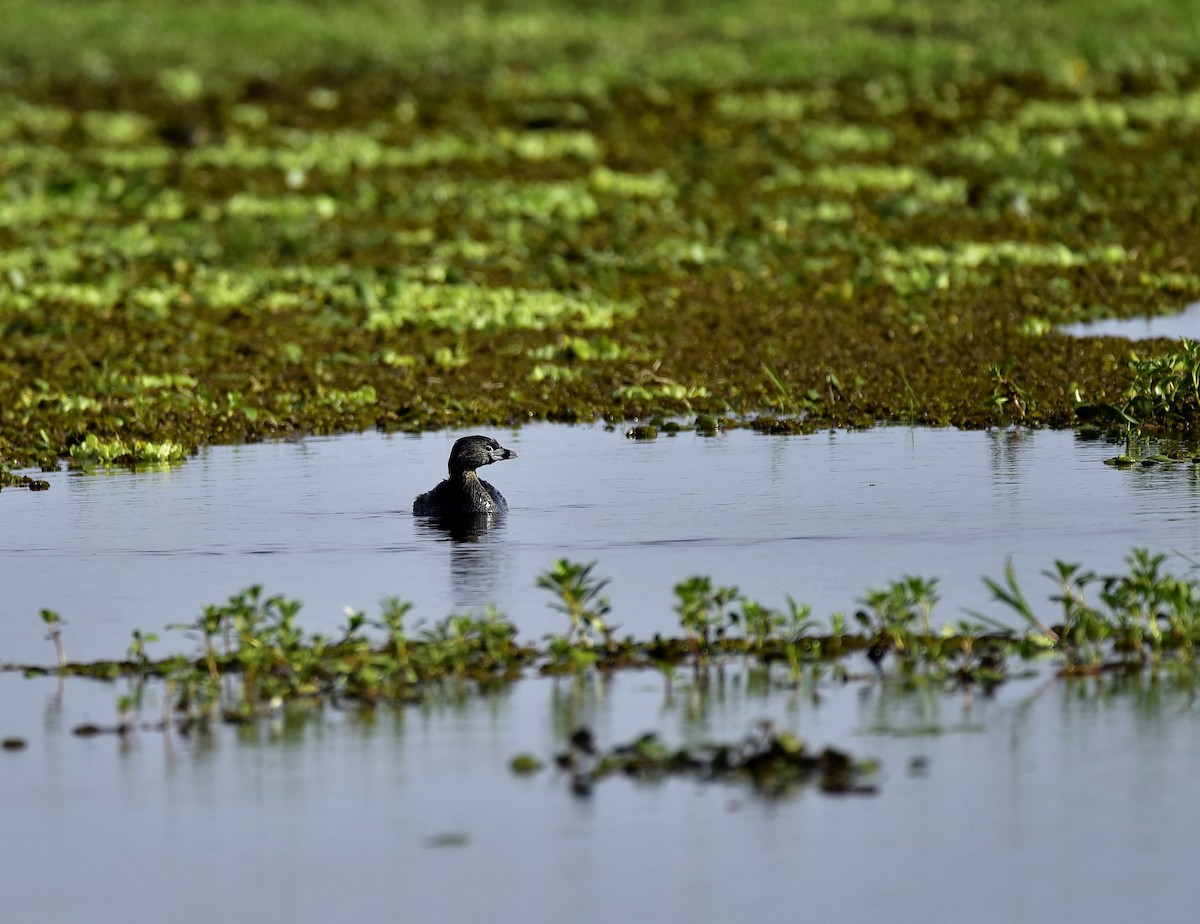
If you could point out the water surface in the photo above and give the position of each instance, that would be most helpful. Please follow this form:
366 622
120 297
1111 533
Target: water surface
821 517
1168 326
1050 800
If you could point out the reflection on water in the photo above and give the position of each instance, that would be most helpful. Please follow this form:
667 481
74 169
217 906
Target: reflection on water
1006 458
477 554
1007 801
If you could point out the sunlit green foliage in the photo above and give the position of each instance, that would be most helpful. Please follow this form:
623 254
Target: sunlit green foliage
1163 396
254 655
226 221
1142 615
580 597
93 450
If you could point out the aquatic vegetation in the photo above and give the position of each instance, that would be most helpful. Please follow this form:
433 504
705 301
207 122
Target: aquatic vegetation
469 308
9 480
702 609
1144 614
52 621
196 253
893 614
525 764
254 658
773 763
1162 398
1165 390
580 597
1009 399
1089 112
95 451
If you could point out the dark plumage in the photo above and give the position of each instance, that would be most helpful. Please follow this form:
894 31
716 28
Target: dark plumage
464 492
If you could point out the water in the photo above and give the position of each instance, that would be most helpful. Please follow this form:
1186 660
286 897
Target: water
821 517
1050 800
1166 327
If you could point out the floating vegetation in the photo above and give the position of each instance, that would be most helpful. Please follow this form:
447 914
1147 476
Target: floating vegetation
1152 111
311 235
95 451
9 480
470 308
775 764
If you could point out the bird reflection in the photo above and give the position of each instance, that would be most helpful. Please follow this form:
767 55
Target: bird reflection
475 554
467 527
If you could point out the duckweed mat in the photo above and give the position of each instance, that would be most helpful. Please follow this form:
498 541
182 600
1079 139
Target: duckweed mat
223 222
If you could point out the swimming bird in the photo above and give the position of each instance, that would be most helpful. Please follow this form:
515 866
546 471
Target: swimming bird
464 493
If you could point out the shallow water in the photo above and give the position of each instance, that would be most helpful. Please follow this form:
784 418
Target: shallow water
1172 326
1050 800
821 517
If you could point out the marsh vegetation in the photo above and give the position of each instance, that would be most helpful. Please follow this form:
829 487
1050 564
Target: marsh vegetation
826 219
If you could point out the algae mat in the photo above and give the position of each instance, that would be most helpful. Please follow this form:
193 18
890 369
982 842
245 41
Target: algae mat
231 222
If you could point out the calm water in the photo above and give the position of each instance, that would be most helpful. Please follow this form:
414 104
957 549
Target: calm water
1050 801
1184 324
327 521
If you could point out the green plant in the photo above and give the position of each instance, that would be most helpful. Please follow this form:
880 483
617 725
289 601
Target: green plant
1012 596
580 597
52 621
137 648
890 613
1084 628
1165 390
1142 615
1163 395
759 623
563 655
391 619
1009 400
1135 607
702 610
797 624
